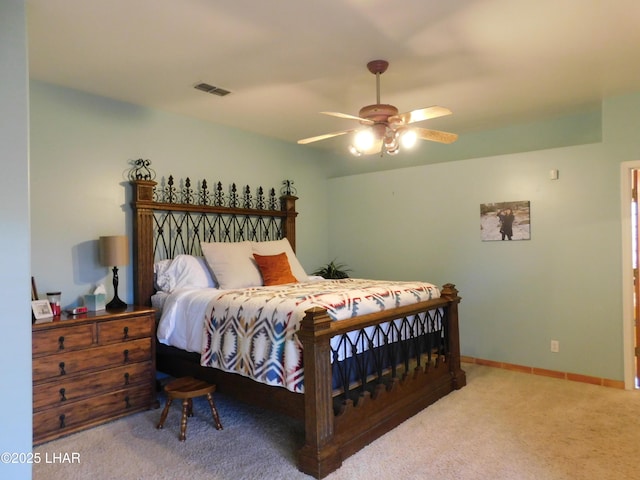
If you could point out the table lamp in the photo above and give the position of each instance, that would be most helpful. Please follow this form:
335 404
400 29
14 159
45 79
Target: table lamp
114 252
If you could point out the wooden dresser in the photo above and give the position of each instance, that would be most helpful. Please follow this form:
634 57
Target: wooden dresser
91 368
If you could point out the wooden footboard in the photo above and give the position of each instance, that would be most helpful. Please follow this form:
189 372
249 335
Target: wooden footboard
332 434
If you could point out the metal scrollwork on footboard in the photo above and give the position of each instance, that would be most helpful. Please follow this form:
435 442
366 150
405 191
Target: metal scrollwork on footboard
378 354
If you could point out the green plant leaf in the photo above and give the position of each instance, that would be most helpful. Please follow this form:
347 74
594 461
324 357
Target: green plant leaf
333 270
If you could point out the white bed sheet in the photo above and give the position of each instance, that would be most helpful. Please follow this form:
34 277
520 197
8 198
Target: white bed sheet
183 315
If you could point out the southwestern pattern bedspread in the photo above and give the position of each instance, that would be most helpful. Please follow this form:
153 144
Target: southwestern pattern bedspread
252 331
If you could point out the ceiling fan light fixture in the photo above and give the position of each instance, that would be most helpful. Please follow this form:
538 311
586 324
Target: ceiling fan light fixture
354 151
393 151
387 130
408 138
390 139
363 139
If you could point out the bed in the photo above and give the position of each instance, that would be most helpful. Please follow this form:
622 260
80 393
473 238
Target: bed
351 378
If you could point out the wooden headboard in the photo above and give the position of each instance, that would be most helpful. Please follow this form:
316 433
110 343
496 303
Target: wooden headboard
170 220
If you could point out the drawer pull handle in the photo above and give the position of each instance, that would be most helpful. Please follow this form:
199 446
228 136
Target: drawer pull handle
60 343
126 402
126 378
62 425
62 370
126 356
125 333
63 397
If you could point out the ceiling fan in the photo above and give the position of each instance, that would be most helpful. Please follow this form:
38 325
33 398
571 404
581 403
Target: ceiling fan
384 129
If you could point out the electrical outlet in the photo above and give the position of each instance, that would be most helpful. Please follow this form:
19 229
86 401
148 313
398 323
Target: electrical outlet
555 346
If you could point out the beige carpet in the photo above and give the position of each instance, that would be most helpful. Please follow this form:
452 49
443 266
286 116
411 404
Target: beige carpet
502 425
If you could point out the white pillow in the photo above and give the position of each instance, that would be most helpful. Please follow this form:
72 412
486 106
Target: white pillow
232 264
159 270
182 272
275 247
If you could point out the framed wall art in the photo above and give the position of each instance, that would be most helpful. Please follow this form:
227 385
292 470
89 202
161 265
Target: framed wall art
505 221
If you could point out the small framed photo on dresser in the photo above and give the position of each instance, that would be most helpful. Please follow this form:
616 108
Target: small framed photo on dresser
41 309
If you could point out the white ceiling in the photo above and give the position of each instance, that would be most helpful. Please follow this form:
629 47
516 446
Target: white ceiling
492 62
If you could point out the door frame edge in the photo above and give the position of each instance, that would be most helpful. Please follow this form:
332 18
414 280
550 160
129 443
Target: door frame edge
627 275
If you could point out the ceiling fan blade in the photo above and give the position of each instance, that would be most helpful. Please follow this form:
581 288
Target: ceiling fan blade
304 141
364 121
420 115
435 135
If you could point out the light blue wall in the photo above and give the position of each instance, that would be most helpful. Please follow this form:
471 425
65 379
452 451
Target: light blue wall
80 147
15 354
563 284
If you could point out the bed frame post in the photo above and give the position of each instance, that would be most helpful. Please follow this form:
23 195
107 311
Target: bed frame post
142 240
319 456
458 376
288 203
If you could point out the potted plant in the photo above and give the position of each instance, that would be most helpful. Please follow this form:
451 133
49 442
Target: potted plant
333 270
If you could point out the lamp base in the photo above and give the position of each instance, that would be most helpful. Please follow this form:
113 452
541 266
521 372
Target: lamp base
116 304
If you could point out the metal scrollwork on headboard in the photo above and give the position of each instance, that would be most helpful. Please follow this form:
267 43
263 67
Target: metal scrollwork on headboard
234 201
174 216
185 194
141 170
288 188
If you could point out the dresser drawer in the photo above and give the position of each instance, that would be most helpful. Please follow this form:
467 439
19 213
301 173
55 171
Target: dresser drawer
70 389
124 330
54 422
72 363
63 339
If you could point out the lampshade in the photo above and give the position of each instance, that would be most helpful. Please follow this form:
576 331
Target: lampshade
114 250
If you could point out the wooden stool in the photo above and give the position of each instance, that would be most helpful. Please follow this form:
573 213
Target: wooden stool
188 388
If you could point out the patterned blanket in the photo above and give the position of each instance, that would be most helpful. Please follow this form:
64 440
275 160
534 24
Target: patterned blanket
252 331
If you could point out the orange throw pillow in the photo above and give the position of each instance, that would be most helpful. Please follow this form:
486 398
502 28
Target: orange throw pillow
275 269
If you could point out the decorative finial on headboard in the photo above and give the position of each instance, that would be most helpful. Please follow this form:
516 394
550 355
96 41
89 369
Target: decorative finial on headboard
141 170
288 188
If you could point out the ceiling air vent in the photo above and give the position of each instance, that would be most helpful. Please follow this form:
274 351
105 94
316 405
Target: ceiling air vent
205 87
